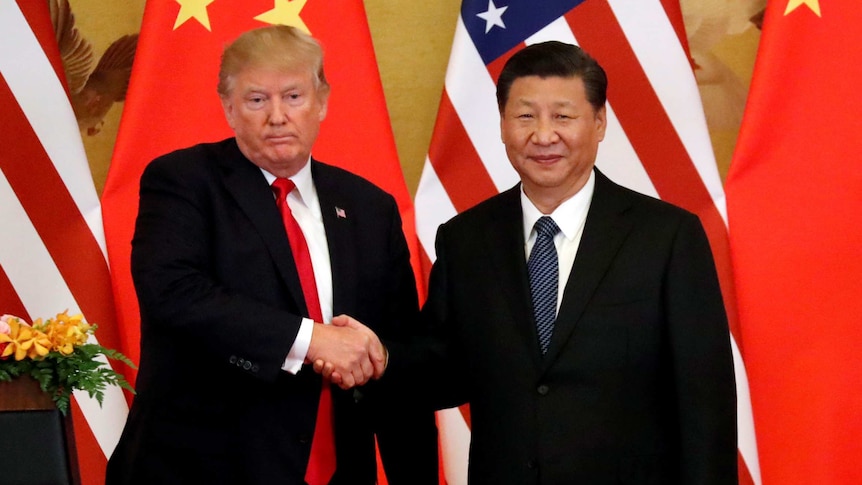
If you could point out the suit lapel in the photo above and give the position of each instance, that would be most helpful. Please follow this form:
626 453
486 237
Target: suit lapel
509 264
245 182
605 229
337 210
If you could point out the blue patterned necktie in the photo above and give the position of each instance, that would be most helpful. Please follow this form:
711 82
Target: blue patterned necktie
544 270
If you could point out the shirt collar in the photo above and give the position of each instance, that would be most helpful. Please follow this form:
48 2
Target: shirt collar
569 215
306 192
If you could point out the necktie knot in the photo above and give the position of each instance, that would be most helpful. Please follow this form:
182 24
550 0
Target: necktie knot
282 186
546 227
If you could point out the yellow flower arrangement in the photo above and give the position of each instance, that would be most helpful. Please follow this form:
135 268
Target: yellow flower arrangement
55 353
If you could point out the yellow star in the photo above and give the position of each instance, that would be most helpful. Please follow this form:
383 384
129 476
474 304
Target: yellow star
196 9
285 12
792 5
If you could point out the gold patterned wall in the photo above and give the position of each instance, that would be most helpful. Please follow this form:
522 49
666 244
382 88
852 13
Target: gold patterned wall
723 36
412 42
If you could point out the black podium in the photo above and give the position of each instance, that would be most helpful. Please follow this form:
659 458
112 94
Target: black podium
37 443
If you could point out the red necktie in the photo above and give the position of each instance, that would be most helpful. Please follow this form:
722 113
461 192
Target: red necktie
321 464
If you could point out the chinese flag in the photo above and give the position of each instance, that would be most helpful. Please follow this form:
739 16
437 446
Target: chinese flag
172 103
794 197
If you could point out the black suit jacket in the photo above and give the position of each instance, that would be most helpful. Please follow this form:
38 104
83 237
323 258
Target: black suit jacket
637 386
221 304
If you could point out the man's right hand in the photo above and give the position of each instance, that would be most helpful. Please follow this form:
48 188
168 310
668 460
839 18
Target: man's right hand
346 352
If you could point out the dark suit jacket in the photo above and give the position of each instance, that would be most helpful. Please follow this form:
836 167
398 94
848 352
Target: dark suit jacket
221 304
637 386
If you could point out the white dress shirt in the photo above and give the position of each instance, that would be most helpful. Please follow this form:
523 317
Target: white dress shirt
570 216
305 206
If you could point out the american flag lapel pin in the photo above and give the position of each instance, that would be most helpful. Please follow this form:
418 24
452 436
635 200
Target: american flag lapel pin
339 212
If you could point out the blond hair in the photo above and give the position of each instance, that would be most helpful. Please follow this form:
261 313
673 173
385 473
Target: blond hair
279 47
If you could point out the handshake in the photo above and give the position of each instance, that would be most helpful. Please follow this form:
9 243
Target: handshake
346 352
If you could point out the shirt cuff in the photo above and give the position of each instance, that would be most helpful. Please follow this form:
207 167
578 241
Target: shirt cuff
296 356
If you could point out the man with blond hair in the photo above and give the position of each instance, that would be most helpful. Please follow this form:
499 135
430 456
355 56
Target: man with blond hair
244 251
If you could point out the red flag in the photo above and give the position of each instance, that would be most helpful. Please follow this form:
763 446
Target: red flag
172 103
795 210
657 140
52 252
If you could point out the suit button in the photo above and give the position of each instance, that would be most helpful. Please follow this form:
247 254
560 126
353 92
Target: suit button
240 362
532 465
304 439
543 390
232 359
246 365
255 368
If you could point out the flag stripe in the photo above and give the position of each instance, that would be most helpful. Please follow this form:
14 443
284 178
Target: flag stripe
10 303
437 209
466 183
30 268
90 465
496 66
746 439
455 438
426 263
673 11
744 473
37 17
659 51
618 159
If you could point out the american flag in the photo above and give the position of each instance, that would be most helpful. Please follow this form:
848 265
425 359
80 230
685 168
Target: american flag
52 250
657 140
